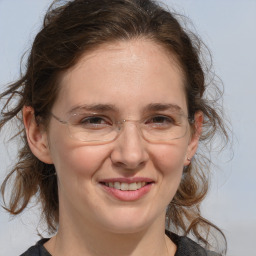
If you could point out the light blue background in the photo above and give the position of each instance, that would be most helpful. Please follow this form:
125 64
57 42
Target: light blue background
229 28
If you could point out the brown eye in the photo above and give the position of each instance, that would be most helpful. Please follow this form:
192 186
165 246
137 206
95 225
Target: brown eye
160 121
94 122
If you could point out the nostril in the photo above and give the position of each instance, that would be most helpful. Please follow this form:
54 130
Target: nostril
128 166
129 150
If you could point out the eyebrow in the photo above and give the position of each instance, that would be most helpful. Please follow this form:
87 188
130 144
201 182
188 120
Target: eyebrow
93 108
163 107
112 108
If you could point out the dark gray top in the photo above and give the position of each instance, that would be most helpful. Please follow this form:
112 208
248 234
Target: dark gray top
185 247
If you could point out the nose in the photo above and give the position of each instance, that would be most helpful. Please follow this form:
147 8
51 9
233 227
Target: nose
129 150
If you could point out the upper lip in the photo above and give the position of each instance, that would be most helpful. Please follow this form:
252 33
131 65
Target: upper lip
127 180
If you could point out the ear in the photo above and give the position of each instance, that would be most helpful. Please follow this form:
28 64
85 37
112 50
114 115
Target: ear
195 136
36 136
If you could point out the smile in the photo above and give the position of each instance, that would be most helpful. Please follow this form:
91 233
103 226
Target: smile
126 186
127 189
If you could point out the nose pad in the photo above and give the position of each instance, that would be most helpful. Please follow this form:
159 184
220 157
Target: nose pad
129 150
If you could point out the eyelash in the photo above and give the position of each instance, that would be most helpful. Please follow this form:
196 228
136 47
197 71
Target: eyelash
89 119
164 120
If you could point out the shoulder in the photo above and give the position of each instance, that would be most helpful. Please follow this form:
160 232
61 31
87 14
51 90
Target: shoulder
37 250
187 247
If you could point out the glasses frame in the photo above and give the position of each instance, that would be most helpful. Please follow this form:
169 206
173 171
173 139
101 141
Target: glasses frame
120 124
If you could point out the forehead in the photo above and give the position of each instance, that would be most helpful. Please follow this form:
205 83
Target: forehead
127 74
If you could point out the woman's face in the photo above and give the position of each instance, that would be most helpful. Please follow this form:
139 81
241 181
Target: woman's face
119 81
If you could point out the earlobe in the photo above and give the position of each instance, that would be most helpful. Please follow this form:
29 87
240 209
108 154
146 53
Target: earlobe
194 140
36 136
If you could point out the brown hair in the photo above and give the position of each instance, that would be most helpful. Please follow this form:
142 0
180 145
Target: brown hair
69 30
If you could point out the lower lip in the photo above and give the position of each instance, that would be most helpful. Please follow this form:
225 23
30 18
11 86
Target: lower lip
129 195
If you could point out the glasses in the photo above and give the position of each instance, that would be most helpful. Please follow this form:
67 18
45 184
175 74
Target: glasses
97 129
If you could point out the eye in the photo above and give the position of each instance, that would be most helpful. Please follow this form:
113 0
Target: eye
94 122
160 121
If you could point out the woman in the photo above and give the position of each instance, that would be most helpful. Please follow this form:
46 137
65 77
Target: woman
113 107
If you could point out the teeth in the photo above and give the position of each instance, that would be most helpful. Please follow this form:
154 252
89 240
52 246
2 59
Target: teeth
117 185
125 186
133 186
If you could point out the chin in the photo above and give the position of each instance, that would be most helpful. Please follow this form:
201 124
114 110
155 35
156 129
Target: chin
127 228
127 222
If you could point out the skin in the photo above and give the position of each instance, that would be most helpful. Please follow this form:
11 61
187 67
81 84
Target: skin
129 75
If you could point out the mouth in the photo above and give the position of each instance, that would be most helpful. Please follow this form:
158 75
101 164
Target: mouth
126 186
127 189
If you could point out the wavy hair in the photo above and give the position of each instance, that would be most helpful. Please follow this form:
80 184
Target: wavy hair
72 28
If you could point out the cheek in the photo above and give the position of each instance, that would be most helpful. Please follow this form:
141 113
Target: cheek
169 161
170 158
76 159
86 159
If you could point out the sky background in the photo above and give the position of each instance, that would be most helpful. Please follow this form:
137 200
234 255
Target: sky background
228 27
